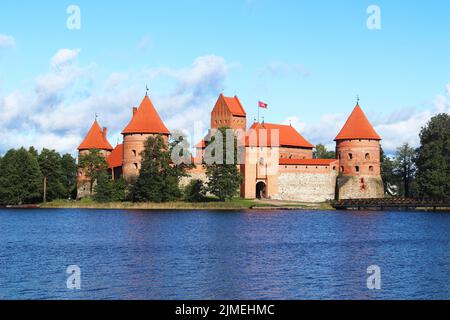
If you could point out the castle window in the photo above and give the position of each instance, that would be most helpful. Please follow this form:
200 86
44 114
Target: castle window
371 168
136 166
342 169
367 156
334 168
357 168
350 156
134 152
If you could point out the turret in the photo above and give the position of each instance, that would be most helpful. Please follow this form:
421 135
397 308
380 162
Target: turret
358 152
96 138
144 123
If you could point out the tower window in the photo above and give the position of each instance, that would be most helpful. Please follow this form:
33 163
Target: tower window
350 156
357 168
371 168
136 166
134 153
342 169
367 156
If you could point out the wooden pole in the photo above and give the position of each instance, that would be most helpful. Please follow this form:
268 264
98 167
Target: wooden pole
45 190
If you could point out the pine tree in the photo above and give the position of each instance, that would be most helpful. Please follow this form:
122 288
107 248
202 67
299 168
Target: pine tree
405 168
52 170
433 162
224 178
69 167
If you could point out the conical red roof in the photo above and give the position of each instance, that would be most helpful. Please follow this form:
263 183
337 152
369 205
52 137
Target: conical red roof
95 139
146 120
357 127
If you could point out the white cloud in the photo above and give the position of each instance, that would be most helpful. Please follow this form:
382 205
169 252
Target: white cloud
7 41
64 57
61 108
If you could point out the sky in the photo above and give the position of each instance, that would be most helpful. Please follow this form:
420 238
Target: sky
308 60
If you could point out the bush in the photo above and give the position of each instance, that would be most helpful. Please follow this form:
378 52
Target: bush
195 191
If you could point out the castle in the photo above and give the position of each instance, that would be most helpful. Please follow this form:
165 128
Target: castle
278 161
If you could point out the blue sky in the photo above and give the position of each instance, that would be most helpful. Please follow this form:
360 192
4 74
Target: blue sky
307 59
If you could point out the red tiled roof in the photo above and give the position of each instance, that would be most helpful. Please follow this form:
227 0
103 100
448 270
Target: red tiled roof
115 158
307 162
95 139
289 137
146 120
357 127
234 105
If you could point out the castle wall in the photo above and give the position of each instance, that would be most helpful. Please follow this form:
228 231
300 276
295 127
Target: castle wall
312 184
360 187
295 153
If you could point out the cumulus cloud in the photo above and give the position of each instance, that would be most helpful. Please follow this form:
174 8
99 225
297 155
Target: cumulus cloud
7 41
61 108
64 57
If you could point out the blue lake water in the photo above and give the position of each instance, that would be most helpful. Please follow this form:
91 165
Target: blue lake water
223 255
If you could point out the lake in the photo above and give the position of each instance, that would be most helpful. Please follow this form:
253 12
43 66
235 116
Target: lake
127 254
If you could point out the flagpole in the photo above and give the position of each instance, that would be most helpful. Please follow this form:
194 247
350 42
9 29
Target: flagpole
258 112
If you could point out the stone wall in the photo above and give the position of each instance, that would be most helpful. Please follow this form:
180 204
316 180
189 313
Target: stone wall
193 175
360 187
306 187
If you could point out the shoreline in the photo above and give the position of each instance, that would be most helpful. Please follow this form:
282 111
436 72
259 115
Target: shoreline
237 204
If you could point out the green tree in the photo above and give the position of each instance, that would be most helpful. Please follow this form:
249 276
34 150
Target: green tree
158 180
107 190
69 167
405 168
390 181
93 165
52 170
433 161
195 191
21 179
224 178
321 152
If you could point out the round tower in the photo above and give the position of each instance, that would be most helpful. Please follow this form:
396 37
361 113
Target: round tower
144 123
96 138
358 151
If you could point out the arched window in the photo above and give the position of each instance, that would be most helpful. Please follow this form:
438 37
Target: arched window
134 153
357 168
371 168
136 166
342 169
350 156
367 156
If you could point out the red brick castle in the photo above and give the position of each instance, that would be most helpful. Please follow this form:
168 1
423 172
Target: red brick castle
278 162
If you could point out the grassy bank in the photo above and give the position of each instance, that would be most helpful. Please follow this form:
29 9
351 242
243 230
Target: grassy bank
234 204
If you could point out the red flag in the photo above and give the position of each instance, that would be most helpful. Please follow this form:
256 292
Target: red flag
262 105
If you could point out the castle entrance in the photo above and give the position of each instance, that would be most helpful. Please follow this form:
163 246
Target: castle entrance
261 190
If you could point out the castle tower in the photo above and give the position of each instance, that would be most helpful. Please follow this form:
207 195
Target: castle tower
228 112
96 138
358 152
145 123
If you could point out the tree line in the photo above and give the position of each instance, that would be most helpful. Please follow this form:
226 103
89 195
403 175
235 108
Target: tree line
27 176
